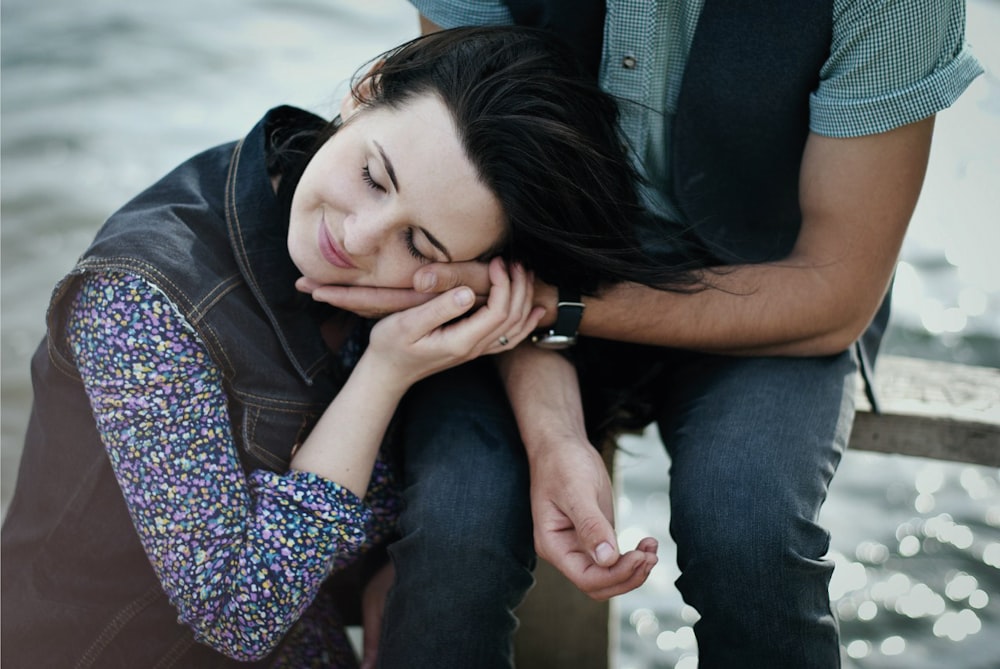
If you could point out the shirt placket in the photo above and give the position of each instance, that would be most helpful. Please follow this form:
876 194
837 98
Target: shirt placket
627 58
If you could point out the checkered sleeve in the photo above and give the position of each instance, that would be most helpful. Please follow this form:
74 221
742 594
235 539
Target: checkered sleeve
892 62
454 13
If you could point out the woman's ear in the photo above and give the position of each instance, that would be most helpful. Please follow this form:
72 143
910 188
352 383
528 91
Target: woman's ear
360 94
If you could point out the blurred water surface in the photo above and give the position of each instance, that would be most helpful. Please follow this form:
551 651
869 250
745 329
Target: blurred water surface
101 98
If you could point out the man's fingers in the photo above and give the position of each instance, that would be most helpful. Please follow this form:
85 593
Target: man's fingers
596 533
600 582
636 578
439 277
648 545
367 301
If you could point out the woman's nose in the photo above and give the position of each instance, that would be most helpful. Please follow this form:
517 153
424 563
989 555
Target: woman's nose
363 234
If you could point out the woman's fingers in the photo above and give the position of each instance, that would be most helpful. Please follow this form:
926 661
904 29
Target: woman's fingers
522 317
502 317
525 297
443 332
421 321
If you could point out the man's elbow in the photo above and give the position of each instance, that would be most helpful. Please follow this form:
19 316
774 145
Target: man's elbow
841 335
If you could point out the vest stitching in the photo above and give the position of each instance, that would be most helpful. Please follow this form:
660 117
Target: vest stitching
225 287
233 223
176 297
116 625
176 651
275 403
144 269
249 433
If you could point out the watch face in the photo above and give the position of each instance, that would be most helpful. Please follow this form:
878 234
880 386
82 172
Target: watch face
553 341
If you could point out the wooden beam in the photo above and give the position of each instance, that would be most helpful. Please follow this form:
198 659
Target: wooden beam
933 409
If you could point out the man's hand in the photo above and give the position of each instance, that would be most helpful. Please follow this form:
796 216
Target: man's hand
572 499
573 509
428 281
365 301
439 277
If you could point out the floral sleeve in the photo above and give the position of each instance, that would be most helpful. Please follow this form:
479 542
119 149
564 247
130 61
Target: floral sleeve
240 557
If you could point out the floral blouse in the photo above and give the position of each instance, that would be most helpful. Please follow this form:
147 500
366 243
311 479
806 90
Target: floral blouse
241 557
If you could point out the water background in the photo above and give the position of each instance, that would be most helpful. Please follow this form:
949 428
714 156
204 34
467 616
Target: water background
101 98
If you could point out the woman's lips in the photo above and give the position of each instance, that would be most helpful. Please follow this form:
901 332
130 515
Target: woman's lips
331 252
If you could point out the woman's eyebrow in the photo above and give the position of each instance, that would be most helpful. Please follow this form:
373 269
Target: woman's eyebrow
388 166
434 240
392 177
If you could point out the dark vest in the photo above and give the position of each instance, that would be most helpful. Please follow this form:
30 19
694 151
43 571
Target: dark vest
741 125
78 590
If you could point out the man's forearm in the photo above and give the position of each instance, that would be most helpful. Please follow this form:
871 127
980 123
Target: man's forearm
545 395
856 195
765 309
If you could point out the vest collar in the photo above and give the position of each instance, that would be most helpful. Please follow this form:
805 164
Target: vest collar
258 231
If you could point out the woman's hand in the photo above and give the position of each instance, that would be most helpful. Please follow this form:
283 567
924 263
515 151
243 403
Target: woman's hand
404 348
431 337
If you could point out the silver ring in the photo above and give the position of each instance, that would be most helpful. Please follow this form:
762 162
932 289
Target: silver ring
503 340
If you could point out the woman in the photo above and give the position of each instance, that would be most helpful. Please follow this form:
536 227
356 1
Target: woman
203 458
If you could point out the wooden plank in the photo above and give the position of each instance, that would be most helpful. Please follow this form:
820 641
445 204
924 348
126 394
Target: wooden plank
914 386
927 437
933 409
560 627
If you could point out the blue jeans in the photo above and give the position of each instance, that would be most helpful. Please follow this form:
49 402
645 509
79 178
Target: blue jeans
754 443
465 558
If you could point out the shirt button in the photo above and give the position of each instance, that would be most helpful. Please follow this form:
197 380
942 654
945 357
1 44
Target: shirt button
628 62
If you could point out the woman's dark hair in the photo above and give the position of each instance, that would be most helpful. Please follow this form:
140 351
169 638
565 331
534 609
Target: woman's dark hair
543 137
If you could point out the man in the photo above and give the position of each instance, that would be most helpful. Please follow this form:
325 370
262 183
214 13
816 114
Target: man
787 143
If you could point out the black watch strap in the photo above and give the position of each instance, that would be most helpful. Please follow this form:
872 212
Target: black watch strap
569 313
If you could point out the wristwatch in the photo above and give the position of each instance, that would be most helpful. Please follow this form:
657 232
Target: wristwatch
563 333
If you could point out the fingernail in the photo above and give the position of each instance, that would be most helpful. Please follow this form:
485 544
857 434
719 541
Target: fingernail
604 552
426 281
464 297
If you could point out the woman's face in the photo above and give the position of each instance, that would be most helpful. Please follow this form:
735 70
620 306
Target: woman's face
390 191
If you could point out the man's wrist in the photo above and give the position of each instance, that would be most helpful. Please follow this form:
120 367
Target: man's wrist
563 333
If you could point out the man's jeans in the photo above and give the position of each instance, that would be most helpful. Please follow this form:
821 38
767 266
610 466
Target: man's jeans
753 445
466 554
753 442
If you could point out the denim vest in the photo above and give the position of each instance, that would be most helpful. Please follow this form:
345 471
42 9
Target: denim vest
741 125
78 588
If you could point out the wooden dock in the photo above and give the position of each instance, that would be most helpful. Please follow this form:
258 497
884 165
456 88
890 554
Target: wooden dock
930 409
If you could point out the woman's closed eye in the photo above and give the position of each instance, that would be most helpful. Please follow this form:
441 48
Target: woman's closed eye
366 174
408 236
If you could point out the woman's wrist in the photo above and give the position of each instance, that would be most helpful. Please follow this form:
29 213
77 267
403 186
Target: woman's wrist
380 374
